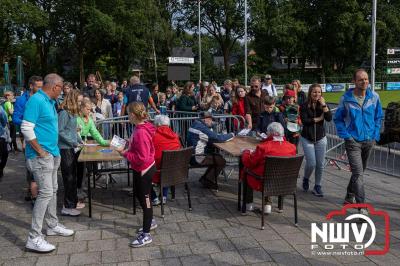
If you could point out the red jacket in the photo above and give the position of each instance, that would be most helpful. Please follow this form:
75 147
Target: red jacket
255 161
238 109
164 140
140 153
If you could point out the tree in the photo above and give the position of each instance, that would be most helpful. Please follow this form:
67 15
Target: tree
222 19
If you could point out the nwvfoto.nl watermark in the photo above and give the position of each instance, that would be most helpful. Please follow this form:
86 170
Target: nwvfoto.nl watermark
350 237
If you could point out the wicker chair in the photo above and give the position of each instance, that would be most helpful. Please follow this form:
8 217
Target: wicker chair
174 170
280 179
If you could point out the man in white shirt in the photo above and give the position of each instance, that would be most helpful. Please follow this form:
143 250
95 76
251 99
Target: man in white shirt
269 86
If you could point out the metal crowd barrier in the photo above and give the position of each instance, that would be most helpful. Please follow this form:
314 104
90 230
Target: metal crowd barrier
384 159
180 123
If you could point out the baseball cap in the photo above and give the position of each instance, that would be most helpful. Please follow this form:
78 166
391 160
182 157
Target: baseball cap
268 76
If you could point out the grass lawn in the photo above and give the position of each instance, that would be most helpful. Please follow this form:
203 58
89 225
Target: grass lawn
386 97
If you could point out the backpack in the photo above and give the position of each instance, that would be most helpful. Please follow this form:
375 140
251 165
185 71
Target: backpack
391 124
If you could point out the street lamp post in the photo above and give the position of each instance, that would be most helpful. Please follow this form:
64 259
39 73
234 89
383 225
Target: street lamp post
245 42
199 29
373 45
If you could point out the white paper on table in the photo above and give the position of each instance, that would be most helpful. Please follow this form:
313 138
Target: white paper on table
117 142
263 135
244 132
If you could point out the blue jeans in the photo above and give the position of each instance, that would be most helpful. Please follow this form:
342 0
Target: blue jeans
315 158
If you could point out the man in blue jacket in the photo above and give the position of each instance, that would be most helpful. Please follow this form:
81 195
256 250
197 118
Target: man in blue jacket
358 121
35 84
201 137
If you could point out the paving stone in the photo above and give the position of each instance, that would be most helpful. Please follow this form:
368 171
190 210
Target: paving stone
20 261
161 239
227 258
191 226
165 262
133 263
120 255
58 260
85 258
7 240
225 244
276 246
198 260
244 242
101 245
289 259
205 247
255 255
168 228
114 233
235 232
72 247
210 234
87 235
176 250
215 223
10 252
179 238
146 253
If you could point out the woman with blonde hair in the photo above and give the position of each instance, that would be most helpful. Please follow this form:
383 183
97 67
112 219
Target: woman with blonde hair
88 131
140 155
68 141
300 96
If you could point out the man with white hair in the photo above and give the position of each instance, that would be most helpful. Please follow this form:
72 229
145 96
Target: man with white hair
40 129
274 145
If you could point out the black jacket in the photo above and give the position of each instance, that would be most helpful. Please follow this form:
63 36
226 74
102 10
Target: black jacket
266 118
313 131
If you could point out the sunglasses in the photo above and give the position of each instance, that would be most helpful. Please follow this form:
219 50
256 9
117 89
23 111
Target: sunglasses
267 78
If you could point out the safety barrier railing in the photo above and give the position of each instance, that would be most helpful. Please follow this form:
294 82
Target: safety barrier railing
383 158
121 127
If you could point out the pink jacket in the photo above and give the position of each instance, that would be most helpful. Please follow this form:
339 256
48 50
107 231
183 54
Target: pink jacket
140 153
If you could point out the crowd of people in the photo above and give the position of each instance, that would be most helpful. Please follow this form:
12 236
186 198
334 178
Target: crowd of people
55 119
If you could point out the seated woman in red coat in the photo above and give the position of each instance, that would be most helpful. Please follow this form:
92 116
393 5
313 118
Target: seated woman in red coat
164 140
274 145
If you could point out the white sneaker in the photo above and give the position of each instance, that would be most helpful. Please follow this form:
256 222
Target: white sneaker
267 209
59 230
249 207
70 212
39 244
164 200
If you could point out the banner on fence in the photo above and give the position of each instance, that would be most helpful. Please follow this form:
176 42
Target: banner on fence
392 86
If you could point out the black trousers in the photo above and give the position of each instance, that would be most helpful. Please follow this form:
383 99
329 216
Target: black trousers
13 135
143 194
69 176
3 153
216 164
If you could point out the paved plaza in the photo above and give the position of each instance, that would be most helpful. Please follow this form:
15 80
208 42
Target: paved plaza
214 233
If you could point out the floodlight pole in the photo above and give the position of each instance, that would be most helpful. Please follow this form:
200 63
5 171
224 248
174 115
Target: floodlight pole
373 45
245 42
